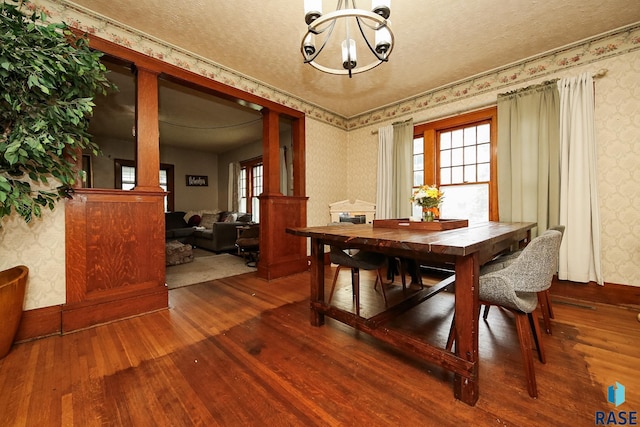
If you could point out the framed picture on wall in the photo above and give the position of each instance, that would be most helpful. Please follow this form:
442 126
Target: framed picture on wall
197 180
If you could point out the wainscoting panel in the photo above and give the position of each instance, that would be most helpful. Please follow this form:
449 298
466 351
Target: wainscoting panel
281 253
115 256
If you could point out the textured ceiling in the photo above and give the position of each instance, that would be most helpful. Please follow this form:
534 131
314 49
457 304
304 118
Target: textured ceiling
437 41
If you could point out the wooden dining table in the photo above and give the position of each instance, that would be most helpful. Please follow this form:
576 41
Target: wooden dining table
462 249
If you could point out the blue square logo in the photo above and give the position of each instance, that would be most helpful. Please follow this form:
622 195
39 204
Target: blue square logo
615 394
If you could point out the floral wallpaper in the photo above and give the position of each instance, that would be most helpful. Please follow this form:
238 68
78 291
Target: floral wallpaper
618 139
617 115
40 246
327 167
342 153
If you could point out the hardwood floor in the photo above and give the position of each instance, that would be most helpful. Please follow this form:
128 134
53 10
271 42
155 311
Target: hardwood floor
241 351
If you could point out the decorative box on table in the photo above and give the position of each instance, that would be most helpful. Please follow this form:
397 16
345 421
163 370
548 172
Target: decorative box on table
436 225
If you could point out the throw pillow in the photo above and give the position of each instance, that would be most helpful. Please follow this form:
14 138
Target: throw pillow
207 220
231 217
244 217
194 220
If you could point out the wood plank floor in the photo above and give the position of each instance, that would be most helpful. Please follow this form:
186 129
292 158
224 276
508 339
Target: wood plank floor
240 351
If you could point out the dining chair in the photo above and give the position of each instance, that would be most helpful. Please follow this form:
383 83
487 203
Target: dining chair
515 288
544 297
248 243
362 260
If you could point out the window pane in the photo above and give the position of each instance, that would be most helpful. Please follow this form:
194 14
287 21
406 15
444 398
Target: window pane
445 158
257 180
457 137
457 175
418 162
418 178
128 175
445 176
469 201
469 155
470 173
126 186
243 187
255 209
456 157
416 212
418 146
484 173
470 136
445 140
484 153
163 178
484 134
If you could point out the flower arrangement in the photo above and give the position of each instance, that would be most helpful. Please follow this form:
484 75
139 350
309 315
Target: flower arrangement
429 197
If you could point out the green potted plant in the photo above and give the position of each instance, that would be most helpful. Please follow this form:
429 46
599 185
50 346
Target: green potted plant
48 79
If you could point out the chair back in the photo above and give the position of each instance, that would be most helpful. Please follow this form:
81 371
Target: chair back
533 270
339 256
251 231
559 228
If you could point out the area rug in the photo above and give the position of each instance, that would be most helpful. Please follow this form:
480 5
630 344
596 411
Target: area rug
205 268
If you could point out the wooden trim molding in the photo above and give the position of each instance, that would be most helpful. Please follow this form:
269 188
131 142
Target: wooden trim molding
39 323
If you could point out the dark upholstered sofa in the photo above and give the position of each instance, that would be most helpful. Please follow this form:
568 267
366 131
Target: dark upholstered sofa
176 228
218 235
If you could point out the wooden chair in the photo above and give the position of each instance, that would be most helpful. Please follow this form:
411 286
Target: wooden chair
362 260
516 288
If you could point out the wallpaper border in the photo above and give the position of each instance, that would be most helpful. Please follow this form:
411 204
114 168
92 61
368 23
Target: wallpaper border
616 42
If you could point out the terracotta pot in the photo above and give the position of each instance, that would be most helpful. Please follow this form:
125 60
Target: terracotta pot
12 287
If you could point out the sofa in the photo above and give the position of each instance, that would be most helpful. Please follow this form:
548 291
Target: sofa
177 228
215 231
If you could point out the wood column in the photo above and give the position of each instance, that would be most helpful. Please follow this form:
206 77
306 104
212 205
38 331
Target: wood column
281 254
147 131
271 152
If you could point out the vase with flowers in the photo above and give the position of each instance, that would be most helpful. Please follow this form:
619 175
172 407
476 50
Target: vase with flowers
429 197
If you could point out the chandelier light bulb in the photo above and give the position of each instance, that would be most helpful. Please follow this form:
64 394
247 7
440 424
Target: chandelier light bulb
349 60
381 7
383 39
309 44
312 10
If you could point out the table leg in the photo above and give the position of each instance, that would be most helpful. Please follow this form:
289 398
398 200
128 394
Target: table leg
317 280
466 325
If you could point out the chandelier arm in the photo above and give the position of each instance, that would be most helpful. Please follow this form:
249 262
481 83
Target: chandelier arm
366 40
324 42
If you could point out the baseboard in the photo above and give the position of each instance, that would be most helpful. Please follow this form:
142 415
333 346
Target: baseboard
40 322
610 293
87 315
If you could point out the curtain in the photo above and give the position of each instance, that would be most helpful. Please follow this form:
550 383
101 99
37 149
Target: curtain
528 156
580 250
384 186
233 197
402 168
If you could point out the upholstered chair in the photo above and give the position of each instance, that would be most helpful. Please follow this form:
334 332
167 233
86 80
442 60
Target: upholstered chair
248 243
544 298
362 260
516 289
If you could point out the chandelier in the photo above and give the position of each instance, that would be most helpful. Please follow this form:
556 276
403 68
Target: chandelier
353 30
